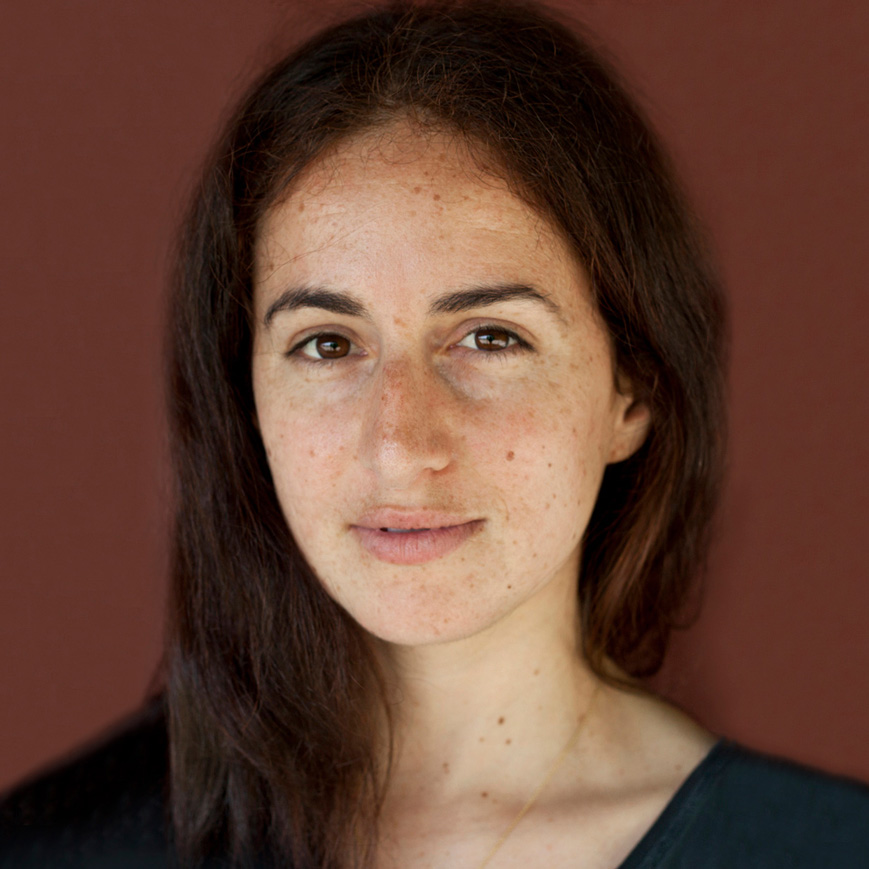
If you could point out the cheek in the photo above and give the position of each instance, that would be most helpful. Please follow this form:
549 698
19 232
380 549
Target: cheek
546 464
308 455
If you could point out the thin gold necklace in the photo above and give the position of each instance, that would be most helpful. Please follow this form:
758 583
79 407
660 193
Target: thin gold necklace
556 764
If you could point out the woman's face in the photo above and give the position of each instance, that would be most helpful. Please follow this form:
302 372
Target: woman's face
434 389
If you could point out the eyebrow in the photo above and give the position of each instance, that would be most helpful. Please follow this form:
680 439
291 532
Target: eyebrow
451 303
315 297
480 297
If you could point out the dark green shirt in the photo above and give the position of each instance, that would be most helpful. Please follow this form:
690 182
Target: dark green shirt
740 810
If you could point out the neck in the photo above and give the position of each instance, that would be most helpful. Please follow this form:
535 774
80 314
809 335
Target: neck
488 713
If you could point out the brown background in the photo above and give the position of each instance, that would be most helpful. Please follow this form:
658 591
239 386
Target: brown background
106 110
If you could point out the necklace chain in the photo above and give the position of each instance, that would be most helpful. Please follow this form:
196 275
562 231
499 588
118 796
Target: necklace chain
550 773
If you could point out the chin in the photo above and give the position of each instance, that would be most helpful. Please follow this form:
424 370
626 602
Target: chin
413 614
424 631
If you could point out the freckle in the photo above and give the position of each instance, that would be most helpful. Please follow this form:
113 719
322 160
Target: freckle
509 586
446 768
549 464
417 189
534 555
482 739
312 454
537 672
501 720
547 506
507 741
554 496
510 456
301 207
437 196
484 794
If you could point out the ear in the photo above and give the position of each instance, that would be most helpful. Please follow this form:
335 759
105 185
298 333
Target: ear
631 425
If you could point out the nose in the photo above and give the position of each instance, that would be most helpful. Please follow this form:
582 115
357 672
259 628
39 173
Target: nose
407 431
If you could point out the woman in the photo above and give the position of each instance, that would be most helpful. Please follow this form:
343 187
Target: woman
446 387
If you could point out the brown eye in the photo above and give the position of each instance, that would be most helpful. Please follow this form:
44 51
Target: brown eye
492 339
330 346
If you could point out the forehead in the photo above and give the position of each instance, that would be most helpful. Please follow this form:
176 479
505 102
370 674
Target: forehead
401 208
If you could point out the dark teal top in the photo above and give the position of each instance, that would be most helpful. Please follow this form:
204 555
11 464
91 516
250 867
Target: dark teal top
738 809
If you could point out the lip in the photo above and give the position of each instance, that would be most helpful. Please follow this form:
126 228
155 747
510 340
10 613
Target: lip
412 537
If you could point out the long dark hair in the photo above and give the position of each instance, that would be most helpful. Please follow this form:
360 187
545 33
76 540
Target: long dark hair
275 700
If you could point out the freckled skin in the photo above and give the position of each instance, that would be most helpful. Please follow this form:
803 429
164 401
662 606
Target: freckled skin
417 416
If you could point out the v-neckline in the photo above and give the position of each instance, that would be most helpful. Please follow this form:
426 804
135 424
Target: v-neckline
681 806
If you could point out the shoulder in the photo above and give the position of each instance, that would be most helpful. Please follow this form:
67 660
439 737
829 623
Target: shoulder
742 808
103 807
766 780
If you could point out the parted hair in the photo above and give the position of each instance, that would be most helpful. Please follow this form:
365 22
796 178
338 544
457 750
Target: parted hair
275 699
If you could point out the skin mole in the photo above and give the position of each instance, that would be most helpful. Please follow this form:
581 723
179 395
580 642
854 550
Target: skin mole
511 455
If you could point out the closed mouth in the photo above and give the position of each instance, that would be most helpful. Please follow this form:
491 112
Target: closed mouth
417 544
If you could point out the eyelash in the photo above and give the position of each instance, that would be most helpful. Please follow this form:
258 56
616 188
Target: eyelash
313 360
518 344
